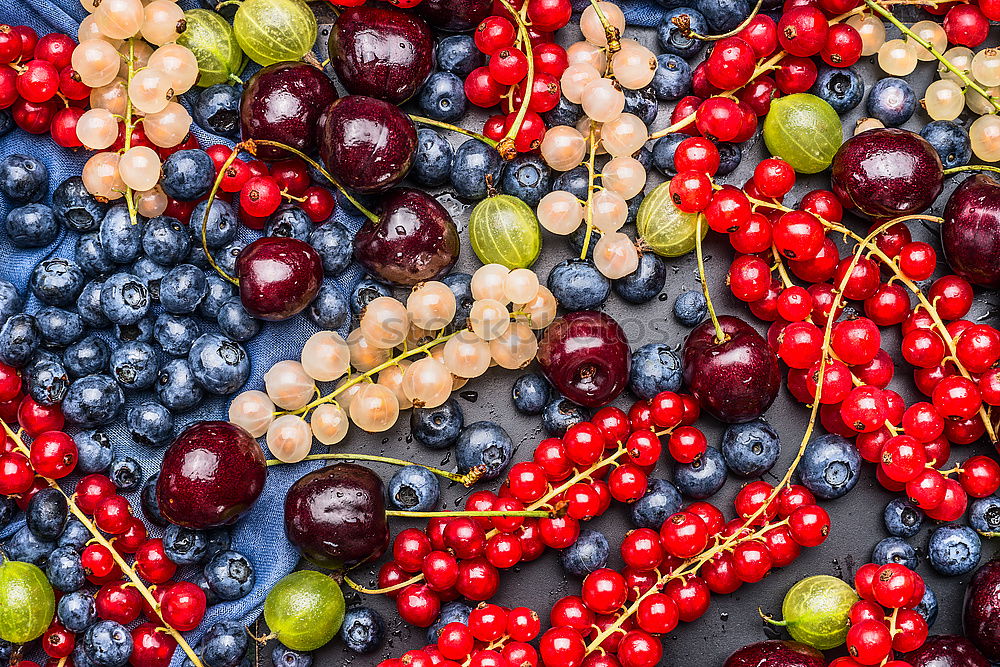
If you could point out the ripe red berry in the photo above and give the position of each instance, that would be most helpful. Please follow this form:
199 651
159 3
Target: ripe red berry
493 34
842 47
965 25
183 606
731 63
118 602
802 31
53 454
152 564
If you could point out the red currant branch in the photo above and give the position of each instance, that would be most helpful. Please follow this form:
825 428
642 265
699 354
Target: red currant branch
99 538
965 78
506 145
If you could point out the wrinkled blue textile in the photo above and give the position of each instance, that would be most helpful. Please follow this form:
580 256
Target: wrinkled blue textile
259 535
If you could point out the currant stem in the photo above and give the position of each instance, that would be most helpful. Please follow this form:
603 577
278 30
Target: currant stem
611 34
965 78
454 128
528 514
720 335
129 127
685 26
970 167
465 480
99 538
381 591
590 192
506 145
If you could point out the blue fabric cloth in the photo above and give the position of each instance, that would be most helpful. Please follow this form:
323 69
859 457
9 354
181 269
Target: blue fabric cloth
259 535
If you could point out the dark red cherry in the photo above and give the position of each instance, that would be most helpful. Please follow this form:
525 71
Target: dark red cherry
586 356
278 277
455 15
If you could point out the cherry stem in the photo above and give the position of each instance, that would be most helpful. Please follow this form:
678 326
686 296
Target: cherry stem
527 514
611 33
970 167
965 78
208 211
506 145
720 335
381 591
683 22
770 619
99 538
590 192
454 128
467 480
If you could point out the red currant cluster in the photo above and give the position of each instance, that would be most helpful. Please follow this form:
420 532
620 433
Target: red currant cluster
38 83
967 24
505 79
576 477
884 620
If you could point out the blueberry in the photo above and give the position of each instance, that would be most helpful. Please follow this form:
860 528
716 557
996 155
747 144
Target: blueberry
414 488
645 158
220 366
182 289
107 644
950 140
134 365
224 644
672 79
660 501
124 298
175 333
690 308
75 535
221 227
91 257
47 514
578 285
329 310
176 387
217 540
93 400
75 208
672 40
140 332
458 54
230 575
442 97
655 368
588 553
218 109
219 291
563 113
901 518
126 473
954 550
77 611
19 338
892 101
88 305
830 466
561 413
226 258
723 15
86 356
282 656
432 160
65 570
94 452
11 301
451 612
80 659
702 477
235 322
750 449
984 515
460 285
663 153
183 545
485 444
47 381
31 226
24 546
641 103
56 281
361 632
120 237
333 243
147 498
289 221
473 162
530 393
347 206
437 428
166 241
894 550
366 291
575 181
8 508
730 156
928 607
527 178
58 327
841 87
643 284
7 124
23 179
187 175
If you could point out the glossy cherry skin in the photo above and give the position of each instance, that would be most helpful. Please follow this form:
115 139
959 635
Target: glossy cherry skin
283 103
455 15
367 144
970 234
381 52
414 240
212 474
736 380
982 610
586 356
946 651
886 173
335 516
775 653
278 277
